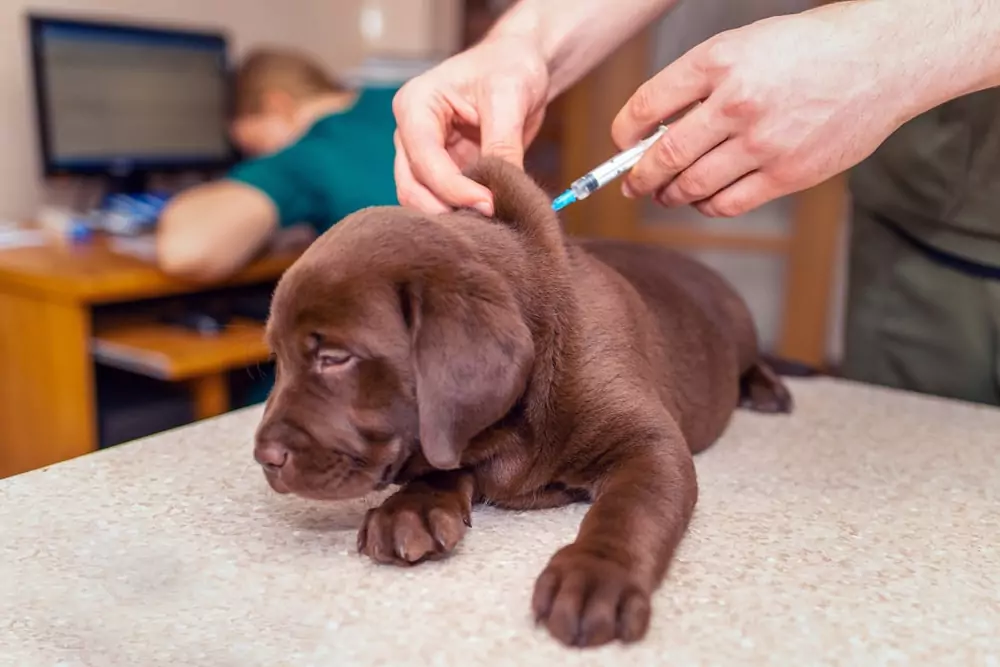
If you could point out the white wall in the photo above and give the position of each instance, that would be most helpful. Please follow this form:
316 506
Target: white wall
760 278
326 28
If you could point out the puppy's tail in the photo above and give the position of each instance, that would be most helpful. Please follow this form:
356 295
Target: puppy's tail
519 202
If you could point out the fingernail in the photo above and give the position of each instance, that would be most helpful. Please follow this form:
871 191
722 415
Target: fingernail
627 191
485 208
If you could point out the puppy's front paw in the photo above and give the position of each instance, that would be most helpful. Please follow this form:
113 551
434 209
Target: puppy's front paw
585 599
410 527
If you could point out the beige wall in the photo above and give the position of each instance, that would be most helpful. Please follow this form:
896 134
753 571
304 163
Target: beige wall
326 28
411 28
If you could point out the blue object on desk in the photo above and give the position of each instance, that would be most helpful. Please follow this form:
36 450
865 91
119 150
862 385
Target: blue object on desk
79 231
131 215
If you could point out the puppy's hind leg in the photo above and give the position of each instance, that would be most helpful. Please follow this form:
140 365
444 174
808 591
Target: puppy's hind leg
762 390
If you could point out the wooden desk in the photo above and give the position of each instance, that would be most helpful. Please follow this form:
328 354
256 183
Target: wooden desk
177 355
48 411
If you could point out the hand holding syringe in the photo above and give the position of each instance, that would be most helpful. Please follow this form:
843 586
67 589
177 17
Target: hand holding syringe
606 172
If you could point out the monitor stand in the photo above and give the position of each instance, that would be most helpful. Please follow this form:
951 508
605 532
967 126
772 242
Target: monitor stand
133 183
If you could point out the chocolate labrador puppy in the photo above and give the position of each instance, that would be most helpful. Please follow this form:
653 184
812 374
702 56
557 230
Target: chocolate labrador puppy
470 359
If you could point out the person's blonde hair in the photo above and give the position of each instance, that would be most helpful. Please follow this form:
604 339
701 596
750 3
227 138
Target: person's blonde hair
266 70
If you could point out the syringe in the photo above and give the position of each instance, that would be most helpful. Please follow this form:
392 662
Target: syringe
606 172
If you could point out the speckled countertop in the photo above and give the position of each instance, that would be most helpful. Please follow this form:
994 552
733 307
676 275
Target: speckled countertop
864 530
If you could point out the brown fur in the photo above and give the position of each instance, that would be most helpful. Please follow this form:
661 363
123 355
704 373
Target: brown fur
473 360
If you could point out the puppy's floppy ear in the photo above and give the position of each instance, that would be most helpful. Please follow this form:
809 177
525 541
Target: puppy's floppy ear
472 354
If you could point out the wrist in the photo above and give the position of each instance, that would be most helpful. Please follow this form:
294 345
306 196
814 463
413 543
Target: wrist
572 38
522 31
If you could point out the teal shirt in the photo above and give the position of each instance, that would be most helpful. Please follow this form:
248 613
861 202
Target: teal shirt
342 164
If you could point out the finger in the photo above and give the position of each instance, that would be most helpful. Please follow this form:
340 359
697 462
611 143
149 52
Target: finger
546 588
409 192
633 617
533 124
422 137
446 527
681 146
503 120
464 152
411 540
710 174
676 87
599 618
564 616
743 196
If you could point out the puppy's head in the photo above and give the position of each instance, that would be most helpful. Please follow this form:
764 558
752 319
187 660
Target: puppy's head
392 338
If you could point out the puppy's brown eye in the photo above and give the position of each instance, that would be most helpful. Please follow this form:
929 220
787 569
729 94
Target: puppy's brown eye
331 358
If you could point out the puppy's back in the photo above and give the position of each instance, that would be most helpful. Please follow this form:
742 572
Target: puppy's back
672 284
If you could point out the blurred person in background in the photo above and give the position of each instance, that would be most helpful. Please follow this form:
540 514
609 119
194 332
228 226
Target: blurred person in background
785 103
317 151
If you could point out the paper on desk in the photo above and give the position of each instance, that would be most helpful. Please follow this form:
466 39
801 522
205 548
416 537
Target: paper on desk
141 247
22 238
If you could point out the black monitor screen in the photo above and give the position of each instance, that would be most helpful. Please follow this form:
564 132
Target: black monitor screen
115 99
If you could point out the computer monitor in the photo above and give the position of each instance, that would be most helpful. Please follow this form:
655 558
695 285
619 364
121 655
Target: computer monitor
125 101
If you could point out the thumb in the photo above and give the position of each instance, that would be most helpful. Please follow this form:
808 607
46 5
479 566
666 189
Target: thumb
502 121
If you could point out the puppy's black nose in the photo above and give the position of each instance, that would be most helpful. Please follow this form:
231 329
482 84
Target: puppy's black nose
272 455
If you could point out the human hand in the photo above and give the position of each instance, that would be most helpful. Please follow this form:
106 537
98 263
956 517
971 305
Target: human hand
488 100
785 104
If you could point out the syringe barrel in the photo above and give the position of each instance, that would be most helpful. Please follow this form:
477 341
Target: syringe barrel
584 186
608 171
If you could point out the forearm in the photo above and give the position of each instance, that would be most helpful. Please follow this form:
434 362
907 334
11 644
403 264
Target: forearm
574 36
213 230
967 54
936 51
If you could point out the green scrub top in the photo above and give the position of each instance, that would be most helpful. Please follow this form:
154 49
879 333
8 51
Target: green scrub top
343 163
937 178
